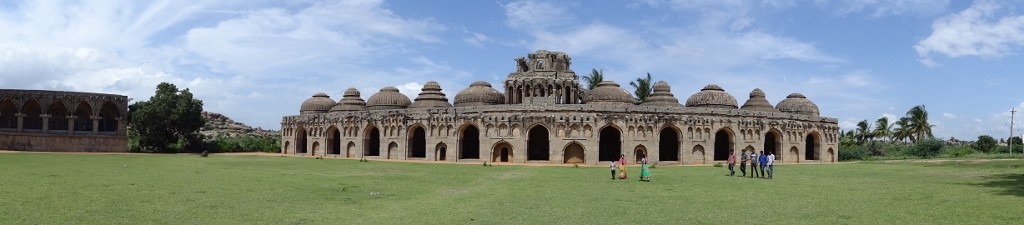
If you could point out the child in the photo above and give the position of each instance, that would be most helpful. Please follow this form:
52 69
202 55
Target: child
612 167
645 173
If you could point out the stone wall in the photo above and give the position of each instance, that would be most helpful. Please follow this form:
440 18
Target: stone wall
38 120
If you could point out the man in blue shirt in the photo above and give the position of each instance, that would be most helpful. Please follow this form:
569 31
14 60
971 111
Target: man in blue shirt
763 161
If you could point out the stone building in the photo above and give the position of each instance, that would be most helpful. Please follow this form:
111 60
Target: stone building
35 120
545 116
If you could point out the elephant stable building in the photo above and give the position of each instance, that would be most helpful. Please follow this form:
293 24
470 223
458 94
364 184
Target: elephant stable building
545 116
61 121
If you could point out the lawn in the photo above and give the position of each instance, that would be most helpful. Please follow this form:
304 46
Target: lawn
186 189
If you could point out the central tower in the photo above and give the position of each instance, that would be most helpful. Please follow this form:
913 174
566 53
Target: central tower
543 77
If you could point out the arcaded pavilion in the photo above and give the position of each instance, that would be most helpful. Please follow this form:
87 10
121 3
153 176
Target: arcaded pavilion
543 115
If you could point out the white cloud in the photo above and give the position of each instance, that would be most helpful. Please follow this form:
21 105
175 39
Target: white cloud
949 116
975 31
880 8
536 15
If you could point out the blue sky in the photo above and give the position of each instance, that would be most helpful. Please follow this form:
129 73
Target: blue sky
256 61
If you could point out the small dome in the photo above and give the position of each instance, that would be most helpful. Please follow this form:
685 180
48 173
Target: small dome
662 96
712 96
608 92
758 102
319 103
798 104
387 98
479 93
350 102
431 96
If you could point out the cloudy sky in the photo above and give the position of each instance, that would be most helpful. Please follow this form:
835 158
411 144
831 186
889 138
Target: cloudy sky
256 61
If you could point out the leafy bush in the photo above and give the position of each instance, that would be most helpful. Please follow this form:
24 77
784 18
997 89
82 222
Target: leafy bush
241 144
718 164
927 149
850 153
957 152
985 143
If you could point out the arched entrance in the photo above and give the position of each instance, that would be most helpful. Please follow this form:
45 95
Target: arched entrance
668 146
7 111
417 143
108 117
469 143
59 114
537 147
831 154
698 155
609 144
300 140
32 122
392 148
502 152
723 144
348 150
83 112
574 153
333 141
773 144
371 142
639 153
440 152
315 148
287 145
795 153
811 147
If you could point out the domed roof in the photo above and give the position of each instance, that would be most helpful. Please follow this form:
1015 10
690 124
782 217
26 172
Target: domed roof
387 98
758 102
798 104
662 96
608 92
350 102
431 96
712 96
319 103
479 93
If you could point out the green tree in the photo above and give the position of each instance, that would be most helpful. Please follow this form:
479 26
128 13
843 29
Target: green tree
883 129
918 123
595 77
901 129
168 122
863 131
985 143
643 88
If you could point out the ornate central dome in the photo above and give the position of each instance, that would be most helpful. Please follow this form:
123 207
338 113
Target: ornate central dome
350 102
479 93
608 92
798 104
758 102
388 98
319 103
662 96
712 96
431 96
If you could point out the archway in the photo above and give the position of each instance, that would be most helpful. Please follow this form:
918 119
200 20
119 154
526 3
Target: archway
795 153
59 117
32 119
440 152
773 144
831 155
609 144
108 117
469 143
7 111
392 147
639 153
698 155
574 153
537 147
371 142
300 141
668 146
83 117
333 141
316 147
287 145
502 152
417 143
348 150
723 144
811 147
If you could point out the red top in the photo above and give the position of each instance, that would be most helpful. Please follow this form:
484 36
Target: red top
732 158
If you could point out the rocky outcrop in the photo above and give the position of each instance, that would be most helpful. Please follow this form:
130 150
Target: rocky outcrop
219 125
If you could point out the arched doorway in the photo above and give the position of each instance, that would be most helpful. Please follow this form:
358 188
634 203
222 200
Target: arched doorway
371 142
392 147
417 143
83 114
811 147
108 117
773 144
795 153
668 146
333 141
440 152
723 144
287 144
502 152
698 155
469 143
639 153
574 153
316 147
537 147
7 111
609 144
32 122
348 150
300 140
831 155
59 117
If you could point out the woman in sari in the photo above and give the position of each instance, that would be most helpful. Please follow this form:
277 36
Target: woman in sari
622 166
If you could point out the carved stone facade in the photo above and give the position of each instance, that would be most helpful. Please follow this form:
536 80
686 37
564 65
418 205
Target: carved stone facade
544 116
34 120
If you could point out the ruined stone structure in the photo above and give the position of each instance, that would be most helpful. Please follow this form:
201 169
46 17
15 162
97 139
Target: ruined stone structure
34 120
545 116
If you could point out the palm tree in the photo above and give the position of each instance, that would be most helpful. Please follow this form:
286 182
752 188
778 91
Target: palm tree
643 88
595 77
901 129
864 132
883 129
918 123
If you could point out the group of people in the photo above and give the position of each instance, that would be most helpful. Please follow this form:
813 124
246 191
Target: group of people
618 169
766 164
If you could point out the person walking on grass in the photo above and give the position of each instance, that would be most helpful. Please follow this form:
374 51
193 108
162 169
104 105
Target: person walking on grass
732 163
622 166
753 164
743 162
645 172
612 166
763 161
771 164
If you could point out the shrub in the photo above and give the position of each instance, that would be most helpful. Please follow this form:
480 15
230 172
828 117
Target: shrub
852 153
718 164
985 143
957 152
927 149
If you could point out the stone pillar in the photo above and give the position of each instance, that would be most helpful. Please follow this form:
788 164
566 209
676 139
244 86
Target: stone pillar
122 126
71 124
21 121
95 124
46 122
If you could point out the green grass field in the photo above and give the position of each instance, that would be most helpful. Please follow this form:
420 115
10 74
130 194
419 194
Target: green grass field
186 189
